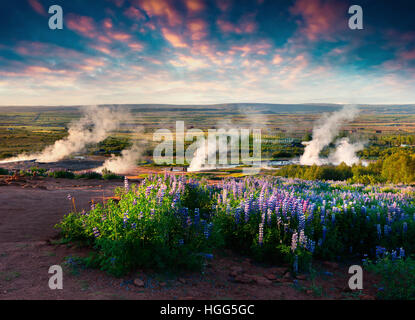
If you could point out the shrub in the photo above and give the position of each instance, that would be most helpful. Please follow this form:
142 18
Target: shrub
148 227
89 175
4 171
397 277
62 174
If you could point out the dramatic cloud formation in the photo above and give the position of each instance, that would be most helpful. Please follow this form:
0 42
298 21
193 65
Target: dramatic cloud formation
206 51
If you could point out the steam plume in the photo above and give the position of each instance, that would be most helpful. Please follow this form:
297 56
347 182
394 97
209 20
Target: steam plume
93 127
346 152
324 133
126 162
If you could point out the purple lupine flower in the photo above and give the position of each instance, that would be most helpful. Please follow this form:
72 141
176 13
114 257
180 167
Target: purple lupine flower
401 253
261 234
405 227
96 232
125 217
379 230
295 264
126 184
294 241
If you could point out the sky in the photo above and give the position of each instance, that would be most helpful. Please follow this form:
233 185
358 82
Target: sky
206 52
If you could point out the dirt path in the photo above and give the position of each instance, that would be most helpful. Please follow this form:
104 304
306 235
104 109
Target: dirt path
29 208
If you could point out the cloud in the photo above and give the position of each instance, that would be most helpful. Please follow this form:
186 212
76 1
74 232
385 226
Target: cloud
38 7
194 6
134 13
320 18
246 24
82 25
174 38
163 9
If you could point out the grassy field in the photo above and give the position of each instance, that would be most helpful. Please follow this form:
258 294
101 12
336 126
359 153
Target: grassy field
28 129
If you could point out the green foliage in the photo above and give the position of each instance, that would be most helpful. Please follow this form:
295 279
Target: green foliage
62 174
108 175
399 167
89 175
397 277
4 171
148 227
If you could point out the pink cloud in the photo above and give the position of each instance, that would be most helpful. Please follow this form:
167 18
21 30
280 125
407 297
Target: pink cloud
108 23
277 59
161 8
194 5
38 7
223 5
135 46
197 29
175 39
119 36
320 17
245 25
408 55
82 25
134 13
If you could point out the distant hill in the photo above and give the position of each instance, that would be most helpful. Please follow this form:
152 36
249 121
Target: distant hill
232 108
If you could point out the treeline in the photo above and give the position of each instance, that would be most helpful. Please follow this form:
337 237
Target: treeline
398 167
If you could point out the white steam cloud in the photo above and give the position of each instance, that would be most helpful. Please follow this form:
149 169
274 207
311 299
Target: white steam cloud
126 162
325 132
94 126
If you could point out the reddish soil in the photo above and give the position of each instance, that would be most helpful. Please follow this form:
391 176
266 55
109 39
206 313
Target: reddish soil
31 207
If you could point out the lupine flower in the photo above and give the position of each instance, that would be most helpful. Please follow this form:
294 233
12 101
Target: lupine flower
96 232
261 234
125 218
401 253
379 230
294 241
126 184
295 264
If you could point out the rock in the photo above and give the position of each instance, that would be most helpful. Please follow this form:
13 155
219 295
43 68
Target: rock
287 277
243 279
301 277
262 281
237 269
309 292
331 265
280 271
181 280
271 276
138 283
163 284
366 297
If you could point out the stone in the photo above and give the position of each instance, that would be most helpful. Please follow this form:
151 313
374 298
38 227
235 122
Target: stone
181 280
280 271
331 265
262 281
243 279
138 283
301 277
366 297
271 276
